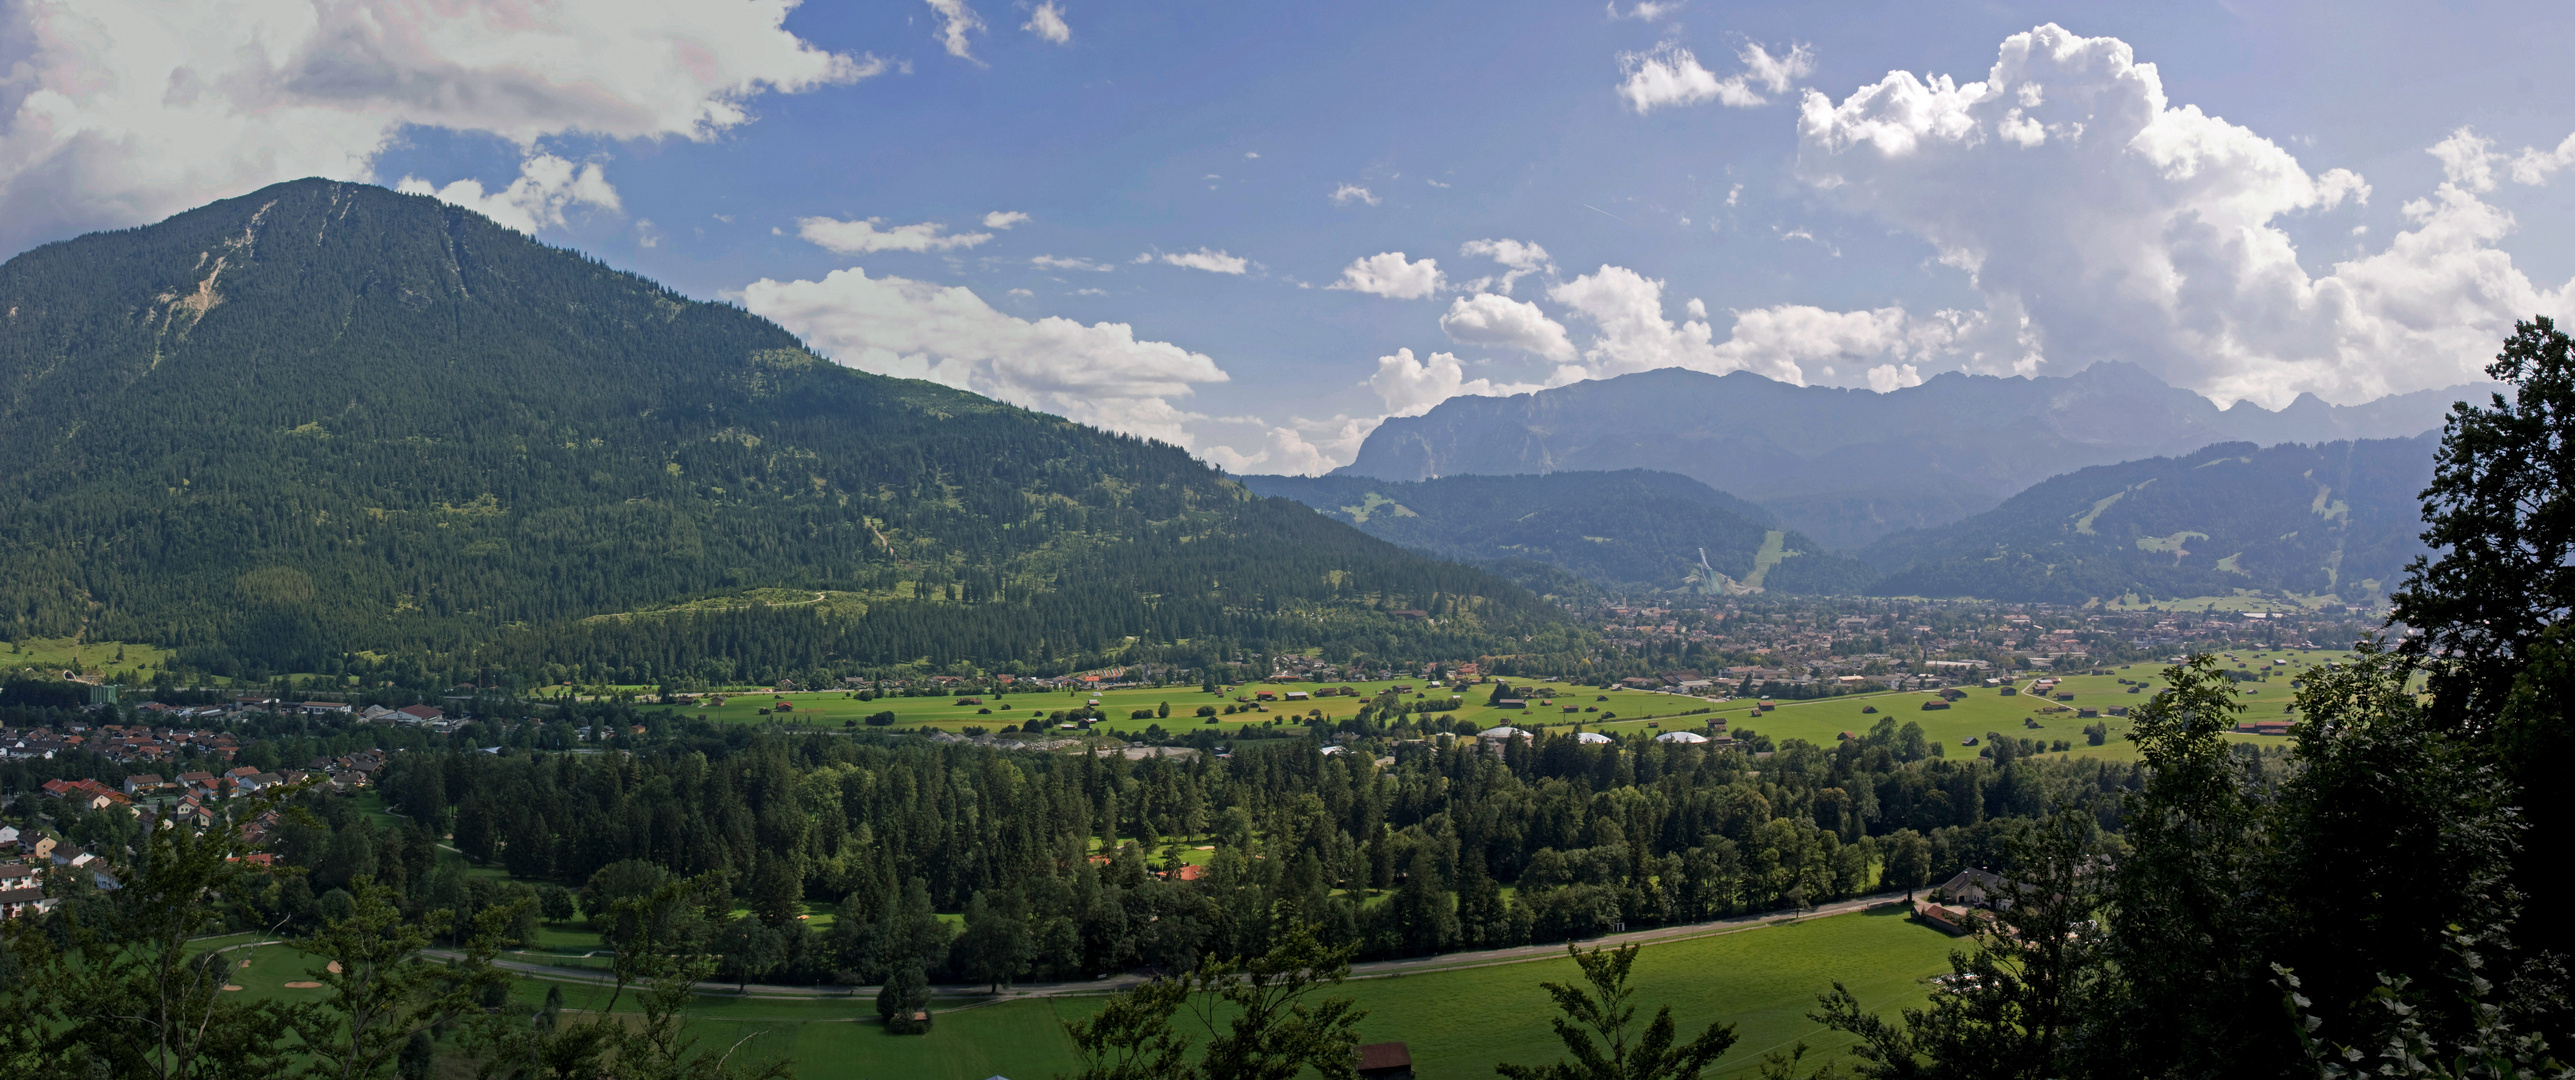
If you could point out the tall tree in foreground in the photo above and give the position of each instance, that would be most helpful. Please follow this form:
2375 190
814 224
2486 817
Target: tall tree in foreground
2185 891
2489 605
1597 1029
382 994
2500 519
2016 1006
108 985
1275 1032
1131 1037
1273 1029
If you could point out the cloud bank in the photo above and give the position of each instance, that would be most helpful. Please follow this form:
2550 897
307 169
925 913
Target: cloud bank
1098 374
2100 221
126 111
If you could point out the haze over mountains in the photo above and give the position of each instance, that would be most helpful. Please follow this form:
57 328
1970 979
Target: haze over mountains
1621 532
1848 467
325 418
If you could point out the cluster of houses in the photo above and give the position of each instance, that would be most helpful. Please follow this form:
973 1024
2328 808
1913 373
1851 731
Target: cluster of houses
24 861
169 738
190 800
123 744
430 716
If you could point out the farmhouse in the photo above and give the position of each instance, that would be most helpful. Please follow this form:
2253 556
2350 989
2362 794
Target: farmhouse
1971 886
1385 1061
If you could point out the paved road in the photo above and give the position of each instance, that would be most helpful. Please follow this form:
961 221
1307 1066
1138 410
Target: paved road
1374 969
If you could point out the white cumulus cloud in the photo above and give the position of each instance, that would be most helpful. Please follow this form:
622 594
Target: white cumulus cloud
862 236
2101 221
1886 378
956 21
1351 193
1003 219
2469 160
1098 374
119 112
1487 319
1625 309
1668 74
546 186
1214 262
1411 387
1065 262
1388 274
1519 259
1300 446
1048 22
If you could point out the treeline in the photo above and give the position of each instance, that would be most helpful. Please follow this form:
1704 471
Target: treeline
1071 861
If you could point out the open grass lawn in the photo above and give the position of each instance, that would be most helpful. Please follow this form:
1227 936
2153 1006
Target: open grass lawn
1458 1023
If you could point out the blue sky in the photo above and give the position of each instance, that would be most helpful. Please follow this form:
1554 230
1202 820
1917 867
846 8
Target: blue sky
1175 189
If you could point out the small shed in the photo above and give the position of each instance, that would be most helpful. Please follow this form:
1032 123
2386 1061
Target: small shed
1385 1061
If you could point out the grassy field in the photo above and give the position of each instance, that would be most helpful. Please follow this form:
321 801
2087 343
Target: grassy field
1821 721
833 709
1988 710
1458 1023
90 656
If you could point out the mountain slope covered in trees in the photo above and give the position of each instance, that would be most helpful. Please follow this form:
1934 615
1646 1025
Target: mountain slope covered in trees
2337 518
1635 530
325 419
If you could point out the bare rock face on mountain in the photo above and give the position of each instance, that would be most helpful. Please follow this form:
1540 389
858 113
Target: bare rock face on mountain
1849 466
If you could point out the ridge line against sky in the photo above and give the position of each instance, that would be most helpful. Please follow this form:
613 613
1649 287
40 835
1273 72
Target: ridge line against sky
1257 233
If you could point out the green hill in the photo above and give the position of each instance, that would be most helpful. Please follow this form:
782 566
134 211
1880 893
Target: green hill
1632 531
326 419
2337 518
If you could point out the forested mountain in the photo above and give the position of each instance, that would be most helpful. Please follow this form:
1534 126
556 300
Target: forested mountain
1848 466
1635 530
326 418
2340 518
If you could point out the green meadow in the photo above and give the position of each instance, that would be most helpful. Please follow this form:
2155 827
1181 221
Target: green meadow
1983 711
1458 1022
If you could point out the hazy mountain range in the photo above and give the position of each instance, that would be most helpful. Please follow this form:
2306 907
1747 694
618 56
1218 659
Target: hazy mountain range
1850 466
1620 532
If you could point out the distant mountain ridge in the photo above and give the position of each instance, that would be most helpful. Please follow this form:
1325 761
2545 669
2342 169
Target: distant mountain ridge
1634 531
1850 466
2339 518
